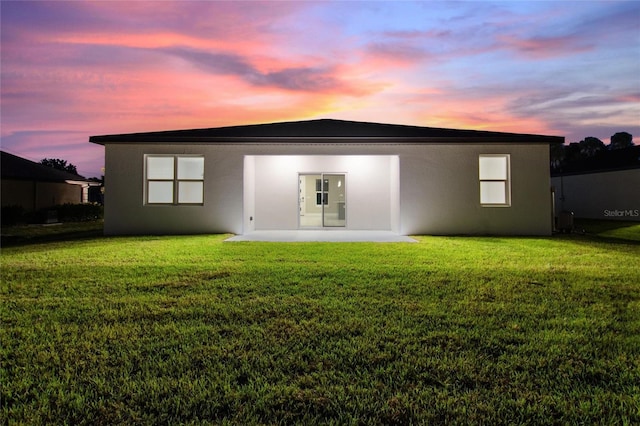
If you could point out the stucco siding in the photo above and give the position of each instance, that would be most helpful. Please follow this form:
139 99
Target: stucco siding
440 191
32 195
19 193
126 212
367 183
410 188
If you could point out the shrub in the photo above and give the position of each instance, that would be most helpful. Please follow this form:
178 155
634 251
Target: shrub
78 212
11 215
68 213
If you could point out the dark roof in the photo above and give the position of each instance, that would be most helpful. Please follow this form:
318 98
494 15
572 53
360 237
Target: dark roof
603 161
323 130
14 167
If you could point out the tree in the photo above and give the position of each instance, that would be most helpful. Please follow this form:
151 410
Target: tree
590 146
59 164
572 152
557 155
621 140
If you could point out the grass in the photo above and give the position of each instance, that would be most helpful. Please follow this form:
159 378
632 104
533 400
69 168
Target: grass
188 329
610 229
31 234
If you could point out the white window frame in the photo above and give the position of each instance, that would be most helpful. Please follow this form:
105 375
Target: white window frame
487 177
176 180
322 193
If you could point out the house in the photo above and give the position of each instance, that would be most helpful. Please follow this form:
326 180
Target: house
327 174
34 186
604 186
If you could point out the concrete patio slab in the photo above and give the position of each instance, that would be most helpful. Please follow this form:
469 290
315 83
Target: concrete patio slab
323 236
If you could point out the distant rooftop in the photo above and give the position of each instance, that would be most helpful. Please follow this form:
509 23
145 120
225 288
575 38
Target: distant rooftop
14 167
323 130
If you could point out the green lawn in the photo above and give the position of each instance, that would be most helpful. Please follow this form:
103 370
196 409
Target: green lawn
609 228
455 330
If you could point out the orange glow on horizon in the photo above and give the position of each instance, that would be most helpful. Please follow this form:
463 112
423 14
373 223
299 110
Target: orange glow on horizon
75 69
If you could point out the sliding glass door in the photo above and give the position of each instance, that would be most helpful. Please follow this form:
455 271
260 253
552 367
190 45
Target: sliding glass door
333 211
322 200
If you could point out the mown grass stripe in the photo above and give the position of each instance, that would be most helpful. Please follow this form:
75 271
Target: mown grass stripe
453 330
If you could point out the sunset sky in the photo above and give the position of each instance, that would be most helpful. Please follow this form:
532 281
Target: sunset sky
75 69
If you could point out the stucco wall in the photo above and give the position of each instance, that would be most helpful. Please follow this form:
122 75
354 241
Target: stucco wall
437 189
125 210
249 206
33 195
606 195
367 183
440 191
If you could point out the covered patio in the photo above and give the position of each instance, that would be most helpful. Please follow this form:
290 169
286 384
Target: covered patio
342 236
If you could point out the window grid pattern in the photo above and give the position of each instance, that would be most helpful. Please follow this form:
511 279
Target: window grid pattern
174 179
322 195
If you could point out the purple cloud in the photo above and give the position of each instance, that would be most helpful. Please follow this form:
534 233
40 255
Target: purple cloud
306 79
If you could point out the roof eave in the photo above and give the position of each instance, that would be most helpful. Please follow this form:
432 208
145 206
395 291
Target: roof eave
364 140
82 182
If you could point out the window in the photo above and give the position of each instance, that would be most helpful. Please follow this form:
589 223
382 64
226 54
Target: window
322 194
495 186
174 179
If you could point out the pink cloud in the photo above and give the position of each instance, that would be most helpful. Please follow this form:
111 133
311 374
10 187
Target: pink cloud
544 47
67 145
105 67
479 120
633 98
489 109
390 55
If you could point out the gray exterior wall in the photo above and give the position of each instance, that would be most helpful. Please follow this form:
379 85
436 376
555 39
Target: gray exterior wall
34 195
605 195
370 198
431 189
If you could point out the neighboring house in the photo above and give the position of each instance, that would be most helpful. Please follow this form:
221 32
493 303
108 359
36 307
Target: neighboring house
34 186
601 187
327 174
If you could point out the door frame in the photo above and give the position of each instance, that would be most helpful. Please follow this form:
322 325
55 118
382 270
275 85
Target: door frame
322 215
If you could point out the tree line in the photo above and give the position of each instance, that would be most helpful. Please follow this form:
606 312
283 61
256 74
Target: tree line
588 148
59 164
